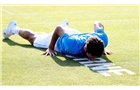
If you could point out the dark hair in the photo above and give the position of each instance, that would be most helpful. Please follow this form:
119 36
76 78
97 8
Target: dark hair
95 46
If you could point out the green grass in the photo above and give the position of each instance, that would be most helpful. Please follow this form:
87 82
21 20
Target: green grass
1 51
23 64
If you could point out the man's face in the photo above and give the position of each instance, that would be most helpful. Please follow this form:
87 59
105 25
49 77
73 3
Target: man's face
90 57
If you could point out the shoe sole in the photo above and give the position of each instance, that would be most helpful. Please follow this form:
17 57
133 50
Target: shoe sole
6 32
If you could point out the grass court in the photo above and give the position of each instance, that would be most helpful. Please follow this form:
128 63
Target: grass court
23 65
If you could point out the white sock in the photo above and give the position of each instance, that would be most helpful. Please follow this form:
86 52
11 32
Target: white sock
15 30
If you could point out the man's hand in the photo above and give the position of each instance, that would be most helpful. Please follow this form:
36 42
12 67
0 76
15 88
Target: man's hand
106 52
50 52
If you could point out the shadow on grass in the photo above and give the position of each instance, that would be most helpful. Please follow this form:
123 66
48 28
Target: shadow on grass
13 43
66 62
57 59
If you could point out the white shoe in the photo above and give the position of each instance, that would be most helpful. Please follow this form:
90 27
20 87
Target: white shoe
65 23
10 29
98 25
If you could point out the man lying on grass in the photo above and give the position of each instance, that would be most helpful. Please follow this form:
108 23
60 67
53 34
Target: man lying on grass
65 40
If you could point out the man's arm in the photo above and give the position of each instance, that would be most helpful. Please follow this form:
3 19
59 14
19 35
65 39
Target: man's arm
99 25
58 32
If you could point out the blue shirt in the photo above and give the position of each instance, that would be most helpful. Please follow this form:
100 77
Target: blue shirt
74 44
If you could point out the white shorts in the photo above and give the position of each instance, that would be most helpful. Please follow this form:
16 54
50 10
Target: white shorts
43 40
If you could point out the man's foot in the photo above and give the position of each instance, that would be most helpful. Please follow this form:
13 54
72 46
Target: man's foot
10 30
98 25
65 23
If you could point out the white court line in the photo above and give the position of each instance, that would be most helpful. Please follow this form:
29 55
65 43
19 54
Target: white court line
81 21
6 11
90 21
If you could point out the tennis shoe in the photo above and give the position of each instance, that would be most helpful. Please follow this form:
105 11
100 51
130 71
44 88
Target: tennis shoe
65 23
10 30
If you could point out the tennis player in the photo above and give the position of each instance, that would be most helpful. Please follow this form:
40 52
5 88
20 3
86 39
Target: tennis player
65 40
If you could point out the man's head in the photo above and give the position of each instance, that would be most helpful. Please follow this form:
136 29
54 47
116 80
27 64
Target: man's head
94 47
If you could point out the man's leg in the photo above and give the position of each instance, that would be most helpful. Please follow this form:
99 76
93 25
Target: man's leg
24 33
28 35
70 31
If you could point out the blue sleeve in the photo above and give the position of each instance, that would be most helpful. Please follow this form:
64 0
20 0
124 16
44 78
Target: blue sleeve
102 35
